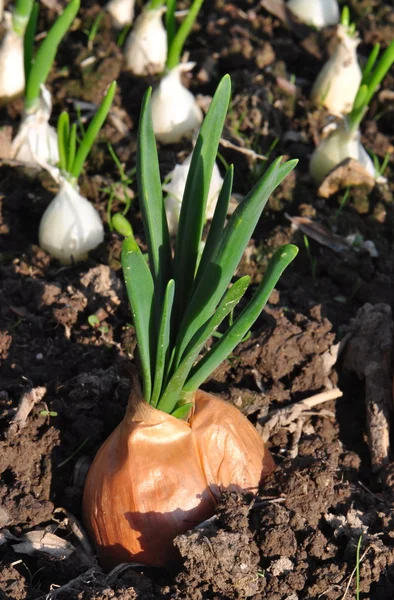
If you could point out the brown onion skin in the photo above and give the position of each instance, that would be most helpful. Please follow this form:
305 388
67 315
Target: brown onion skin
156 477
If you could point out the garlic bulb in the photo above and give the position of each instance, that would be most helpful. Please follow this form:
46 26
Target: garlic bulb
337 84
175 190
157 476
146 47
36 141
12 72
122 12
342 143
70 227
175 113
319 13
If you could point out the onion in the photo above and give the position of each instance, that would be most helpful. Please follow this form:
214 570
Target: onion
175 190
175 112
12 73
319 13
122 12
157 476
146 47
342 143
36 141
70 227
337 83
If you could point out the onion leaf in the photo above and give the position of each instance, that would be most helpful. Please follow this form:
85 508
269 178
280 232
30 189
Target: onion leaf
192 216
152 205
226 344
171 394
139 285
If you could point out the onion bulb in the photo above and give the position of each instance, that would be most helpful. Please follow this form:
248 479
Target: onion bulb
70 227
36 141
175 190
157 476
319 13
175 113
146 47
122 12
12 72
337 84
342 143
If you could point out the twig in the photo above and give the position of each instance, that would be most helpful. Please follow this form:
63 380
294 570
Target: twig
282 417
247 151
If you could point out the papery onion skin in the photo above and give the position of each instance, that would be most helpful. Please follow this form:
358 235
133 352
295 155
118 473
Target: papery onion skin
337 84
155 477
146 47
339 145
221 431
70 226
175 113
319 13
12 73
122 12
175 189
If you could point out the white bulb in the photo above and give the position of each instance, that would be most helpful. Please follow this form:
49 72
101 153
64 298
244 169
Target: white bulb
122 12
1 9
146 47
175 113
70 227
12 72
337 83
175 190
36 141
339 145
319 13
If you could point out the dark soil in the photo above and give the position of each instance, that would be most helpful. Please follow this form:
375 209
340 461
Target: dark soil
299 539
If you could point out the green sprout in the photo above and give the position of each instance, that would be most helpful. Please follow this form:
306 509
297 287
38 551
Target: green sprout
71 154
37 67
177 38
178 302
373 74
312 259
345 21
20 16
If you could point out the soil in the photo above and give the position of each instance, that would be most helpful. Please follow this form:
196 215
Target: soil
326 508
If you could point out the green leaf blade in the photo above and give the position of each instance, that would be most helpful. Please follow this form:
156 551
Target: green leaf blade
152 205
226 344
217 224
93 131
163 342
140 289
63 132
47 52
171 395
234 239
192 216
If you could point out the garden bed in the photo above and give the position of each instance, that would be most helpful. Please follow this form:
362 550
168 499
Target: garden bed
299 539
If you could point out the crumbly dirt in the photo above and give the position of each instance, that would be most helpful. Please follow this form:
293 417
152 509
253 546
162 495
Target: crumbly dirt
299 539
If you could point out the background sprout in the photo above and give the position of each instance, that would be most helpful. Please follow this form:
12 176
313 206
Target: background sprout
36 141
71 226
344 142
337 84
146 47
39 66
12 77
